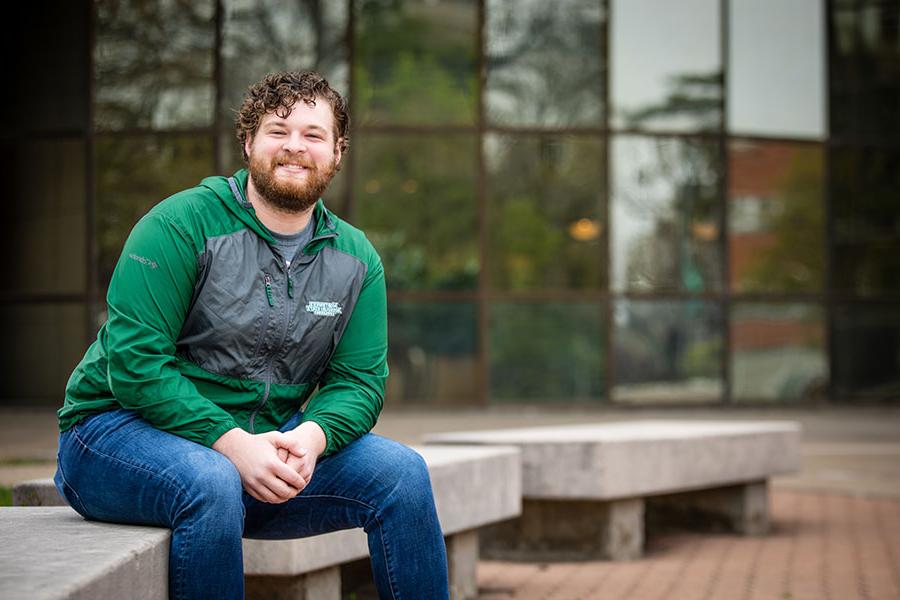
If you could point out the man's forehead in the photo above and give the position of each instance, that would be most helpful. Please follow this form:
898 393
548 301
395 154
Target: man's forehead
319 107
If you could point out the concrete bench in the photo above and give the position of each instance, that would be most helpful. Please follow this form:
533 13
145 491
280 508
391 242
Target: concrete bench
51 552
586 486
473 487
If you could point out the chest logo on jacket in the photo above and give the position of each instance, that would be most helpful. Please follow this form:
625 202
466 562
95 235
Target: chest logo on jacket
324 309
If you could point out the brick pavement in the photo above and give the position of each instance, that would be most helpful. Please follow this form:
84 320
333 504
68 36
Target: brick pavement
823 546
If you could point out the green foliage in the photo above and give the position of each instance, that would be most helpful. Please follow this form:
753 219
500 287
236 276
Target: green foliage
416 202
416 63
5 496
547 352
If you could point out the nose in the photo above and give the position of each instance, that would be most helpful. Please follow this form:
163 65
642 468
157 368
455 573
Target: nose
294 143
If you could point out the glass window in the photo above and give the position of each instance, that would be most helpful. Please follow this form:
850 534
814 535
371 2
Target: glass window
269 36
666 214
867 352
415 62
866 254
865 59
545 63
415 198
48 341
778 353
666 66
46 68
776 226
546 213
44 223
153 64
667 351
133 175
547 352
776 68
432 353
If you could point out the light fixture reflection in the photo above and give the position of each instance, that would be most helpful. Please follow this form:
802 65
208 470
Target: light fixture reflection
584 230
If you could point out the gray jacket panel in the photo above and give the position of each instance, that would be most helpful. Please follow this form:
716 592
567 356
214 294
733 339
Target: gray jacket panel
238 328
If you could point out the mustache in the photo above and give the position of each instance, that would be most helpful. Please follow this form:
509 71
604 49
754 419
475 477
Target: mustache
283 159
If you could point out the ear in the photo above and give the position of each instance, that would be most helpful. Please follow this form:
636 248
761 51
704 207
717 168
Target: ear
337 152
247 144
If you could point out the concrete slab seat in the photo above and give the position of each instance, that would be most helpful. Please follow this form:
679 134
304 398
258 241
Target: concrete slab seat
473 487
587 487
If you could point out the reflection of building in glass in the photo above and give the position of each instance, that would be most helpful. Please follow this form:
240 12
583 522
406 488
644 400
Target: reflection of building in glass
582 201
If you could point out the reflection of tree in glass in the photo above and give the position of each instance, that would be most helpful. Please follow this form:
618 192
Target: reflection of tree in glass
671 187
415 62
135 174
548 352
269 36
539 187
544 62
432 353
153 64
694 95
415 199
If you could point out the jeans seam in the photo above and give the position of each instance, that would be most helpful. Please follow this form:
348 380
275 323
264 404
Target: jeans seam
387 555
62 475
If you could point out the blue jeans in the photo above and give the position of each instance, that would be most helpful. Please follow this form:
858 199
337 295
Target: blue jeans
116 467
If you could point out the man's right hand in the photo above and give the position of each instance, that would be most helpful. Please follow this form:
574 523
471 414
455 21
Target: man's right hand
263 475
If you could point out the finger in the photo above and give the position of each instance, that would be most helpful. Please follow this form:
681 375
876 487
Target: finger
261 493
277 491
288 475
295 447
283 454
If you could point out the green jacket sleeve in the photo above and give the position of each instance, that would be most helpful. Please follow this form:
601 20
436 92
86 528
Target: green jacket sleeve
351 394
148 299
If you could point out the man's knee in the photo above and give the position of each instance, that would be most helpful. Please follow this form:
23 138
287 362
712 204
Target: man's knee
214 483
405 471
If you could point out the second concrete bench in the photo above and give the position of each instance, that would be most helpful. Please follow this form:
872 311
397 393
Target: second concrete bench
586 486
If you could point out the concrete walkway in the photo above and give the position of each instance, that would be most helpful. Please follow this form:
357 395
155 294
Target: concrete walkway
836 532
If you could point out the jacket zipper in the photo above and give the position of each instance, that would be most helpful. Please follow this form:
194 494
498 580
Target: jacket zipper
286 268
288 310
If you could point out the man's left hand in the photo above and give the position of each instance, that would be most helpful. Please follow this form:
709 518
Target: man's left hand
308 442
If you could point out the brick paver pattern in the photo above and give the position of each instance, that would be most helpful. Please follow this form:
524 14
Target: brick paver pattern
822 546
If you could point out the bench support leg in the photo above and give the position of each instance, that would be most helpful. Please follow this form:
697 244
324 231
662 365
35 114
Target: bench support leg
462 563
569 530
740 508
318 585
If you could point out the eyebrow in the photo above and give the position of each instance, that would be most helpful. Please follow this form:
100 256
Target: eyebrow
283 123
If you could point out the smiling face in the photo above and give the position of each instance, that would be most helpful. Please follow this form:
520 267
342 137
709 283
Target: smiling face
292 159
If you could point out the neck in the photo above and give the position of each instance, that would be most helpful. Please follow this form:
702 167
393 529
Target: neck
274 219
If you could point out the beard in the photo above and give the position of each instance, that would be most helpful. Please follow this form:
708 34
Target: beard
291 196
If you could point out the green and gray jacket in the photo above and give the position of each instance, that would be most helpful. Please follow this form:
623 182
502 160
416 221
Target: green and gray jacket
209 330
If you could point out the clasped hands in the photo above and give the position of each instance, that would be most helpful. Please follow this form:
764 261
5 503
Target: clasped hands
274 466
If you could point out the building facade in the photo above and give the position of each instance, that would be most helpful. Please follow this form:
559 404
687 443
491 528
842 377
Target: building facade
582 202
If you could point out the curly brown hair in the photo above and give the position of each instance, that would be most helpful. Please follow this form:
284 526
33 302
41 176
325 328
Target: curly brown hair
277 92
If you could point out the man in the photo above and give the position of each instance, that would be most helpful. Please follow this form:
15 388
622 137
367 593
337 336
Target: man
232 305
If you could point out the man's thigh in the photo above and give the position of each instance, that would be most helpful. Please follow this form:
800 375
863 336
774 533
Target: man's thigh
115 466
348 489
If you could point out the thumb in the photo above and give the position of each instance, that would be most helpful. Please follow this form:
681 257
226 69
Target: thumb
288 443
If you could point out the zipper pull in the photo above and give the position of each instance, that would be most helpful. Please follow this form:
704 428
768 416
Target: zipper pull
269 290
290 286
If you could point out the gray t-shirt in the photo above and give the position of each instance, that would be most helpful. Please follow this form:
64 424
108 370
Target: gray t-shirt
288 244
